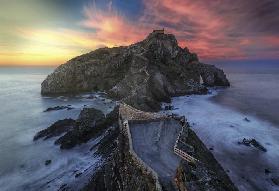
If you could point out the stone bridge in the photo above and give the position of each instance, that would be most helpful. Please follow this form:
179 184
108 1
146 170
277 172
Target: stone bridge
155 141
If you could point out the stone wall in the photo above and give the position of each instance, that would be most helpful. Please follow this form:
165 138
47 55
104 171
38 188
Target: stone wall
131 114
124 127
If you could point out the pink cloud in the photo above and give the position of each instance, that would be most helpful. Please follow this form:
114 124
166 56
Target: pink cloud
111 27
213 29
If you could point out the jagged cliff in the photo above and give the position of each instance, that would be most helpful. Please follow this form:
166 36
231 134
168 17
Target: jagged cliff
142 74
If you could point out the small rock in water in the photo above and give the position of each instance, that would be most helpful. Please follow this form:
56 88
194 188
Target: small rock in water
252 142
267 171
246 119
91 97
22 166
168 107
231 126
78 174
211 148
56 108
47 162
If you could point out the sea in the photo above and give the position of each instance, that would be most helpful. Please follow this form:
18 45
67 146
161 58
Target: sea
219 119
22 160
248 109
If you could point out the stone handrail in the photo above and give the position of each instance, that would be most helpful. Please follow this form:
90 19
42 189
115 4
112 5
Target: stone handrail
181 153
184 155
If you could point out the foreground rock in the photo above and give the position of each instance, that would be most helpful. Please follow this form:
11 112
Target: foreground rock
142 74
90 124
56 129
86 126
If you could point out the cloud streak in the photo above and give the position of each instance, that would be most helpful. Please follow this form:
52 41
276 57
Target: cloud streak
216 29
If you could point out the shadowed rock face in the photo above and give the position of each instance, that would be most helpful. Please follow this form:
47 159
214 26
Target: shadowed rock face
142 74
90 124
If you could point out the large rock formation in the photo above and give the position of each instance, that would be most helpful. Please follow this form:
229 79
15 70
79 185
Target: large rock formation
142 74
90 124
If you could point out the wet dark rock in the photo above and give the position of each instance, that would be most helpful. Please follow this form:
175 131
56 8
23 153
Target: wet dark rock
90 124
56 129
275 181
56 108
211 148
47 162
267 171
78 174
207 174
252 142
246 119
91 97
168 107
142 74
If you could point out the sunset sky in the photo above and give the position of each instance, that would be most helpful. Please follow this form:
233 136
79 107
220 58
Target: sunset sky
50 32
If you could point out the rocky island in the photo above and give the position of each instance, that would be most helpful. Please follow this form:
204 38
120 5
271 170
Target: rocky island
141 75
141 148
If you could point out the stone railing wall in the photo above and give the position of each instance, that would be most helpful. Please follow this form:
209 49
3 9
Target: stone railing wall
124 126
178 150
129 113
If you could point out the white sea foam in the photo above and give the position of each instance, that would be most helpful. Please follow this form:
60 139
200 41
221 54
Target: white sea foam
221 128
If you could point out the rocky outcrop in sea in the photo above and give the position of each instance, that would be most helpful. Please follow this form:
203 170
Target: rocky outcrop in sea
142 74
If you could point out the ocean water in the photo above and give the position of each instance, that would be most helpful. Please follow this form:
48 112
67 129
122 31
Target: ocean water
22 161
219 120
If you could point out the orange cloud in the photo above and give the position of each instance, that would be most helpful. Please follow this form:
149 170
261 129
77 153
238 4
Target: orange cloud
110 27
202 31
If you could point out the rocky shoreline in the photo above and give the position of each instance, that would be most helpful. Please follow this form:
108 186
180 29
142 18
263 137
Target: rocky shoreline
141 75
